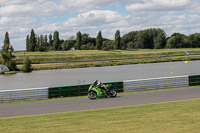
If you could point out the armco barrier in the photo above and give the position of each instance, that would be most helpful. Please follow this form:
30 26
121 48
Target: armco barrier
23 95
117 86
155 83
79 90
68 91
194 80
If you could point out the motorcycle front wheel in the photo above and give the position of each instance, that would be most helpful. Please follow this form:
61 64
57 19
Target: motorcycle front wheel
92 95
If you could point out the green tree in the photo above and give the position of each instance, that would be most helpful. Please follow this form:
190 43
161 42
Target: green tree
171 42
41 43
194 40
32 41
178 40
6 54
140 40
108 45
160 40
87 40
129 39
50 42
78 41
130 45
68 44
90 46
56 40
117 42
150 35
99 41
12 66
6 40
27 43
84 38
149 38
45 43
27 65
84 47
37 48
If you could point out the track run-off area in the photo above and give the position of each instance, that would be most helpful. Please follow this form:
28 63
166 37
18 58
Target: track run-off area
81 104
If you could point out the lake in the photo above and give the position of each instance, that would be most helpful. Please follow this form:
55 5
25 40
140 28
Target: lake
65 77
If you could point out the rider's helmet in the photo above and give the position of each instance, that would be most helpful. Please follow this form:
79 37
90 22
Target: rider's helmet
95 82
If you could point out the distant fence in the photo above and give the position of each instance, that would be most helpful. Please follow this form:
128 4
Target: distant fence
81 90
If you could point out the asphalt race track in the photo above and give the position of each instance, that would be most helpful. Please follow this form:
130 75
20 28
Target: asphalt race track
80 104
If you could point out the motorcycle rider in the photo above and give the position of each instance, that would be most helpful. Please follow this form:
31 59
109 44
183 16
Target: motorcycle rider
100 85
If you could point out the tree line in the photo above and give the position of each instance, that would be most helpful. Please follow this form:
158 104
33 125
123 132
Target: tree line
81 42
154 38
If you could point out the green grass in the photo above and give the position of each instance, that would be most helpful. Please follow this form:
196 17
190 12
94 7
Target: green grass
173 117
94 52
53 56
110 63
126 57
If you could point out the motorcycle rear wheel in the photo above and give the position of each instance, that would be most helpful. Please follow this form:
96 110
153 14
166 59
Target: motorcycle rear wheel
112 93
92 95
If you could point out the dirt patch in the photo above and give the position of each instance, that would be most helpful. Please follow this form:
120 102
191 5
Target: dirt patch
62 64
86 58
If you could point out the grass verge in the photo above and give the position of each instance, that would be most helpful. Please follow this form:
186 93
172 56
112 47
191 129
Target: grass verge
54 58
50 66
182 117
97 58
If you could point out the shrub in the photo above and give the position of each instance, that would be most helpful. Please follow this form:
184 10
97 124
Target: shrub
12 65
27 65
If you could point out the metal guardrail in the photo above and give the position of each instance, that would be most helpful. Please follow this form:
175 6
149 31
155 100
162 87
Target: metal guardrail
7 96
23 95
155 83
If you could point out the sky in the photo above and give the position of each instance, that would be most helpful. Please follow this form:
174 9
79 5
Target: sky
68 17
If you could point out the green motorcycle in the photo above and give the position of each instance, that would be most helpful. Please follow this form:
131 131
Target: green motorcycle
96 91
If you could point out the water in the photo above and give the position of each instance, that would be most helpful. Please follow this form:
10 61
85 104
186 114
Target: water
64 77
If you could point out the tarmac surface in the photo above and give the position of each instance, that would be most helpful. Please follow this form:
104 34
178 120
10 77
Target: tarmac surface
81 104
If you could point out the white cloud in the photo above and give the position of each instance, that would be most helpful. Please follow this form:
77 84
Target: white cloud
93 21
159 5
17 21
94 17
13 10
32 9
49 28
68 17
88 4
13 2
